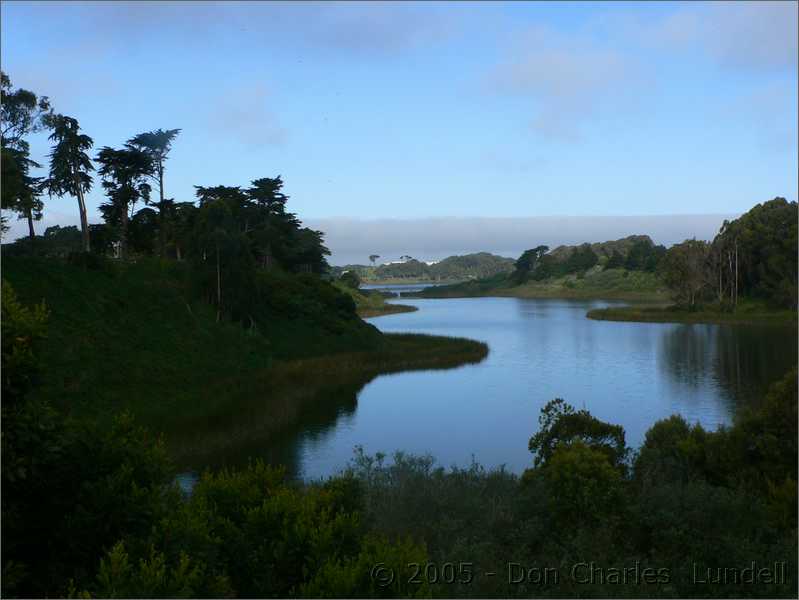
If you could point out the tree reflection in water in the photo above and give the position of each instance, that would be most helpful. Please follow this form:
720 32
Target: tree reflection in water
740 360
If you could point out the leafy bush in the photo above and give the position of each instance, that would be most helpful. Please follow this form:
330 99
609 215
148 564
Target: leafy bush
351 280
23 330
561 425
583 483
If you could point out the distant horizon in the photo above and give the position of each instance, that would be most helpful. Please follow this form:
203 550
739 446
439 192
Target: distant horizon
352 240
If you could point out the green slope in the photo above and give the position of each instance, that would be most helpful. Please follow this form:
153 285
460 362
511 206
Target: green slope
130 337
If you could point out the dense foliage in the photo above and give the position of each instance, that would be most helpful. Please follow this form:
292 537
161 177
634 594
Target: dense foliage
635 253
21 113
117 526
753 256
597 515
350 279
690 500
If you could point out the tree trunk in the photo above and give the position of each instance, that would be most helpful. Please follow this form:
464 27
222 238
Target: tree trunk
123 236
736 272
177 252
162 227
218 287
84 224
31 232
730 284
84 221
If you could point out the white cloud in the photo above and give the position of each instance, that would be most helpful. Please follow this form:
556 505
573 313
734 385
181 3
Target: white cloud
359 27
598 71
751 36
568 79
243 113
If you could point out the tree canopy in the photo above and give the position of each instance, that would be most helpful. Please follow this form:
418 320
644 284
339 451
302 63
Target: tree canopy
753 256
21 113
70 166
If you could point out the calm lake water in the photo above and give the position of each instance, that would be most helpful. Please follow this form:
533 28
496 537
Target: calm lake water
631 374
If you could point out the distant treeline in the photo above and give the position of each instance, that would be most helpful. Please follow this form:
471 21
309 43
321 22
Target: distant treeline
634 253
468 266
753 257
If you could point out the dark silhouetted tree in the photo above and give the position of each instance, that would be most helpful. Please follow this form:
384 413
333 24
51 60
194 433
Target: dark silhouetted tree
157 145
125 173
70 166
21 193
527 263
21 113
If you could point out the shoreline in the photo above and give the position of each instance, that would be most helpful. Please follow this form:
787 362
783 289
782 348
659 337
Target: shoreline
386 309
671 315
401 281
559 294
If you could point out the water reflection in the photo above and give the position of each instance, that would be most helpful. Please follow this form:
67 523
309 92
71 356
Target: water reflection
248 440
741 360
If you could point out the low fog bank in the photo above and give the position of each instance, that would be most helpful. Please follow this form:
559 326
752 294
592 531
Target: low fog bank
351 241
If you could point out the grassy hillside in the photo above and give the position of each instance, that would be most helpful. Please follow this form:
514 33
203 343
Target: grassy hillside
129 337
597 283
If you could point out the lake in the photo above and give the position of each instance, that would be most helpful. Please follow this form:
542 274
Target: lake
630 374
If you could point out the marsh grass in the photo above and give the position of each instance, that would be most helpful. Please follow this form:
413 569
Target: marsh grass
747 313
386 309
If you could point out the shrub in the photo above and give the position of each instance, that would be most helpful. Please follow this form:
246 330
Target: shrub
561 424
584 486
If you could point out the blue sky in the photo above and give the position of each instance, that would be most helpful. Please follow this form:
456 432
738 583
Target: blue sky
409 111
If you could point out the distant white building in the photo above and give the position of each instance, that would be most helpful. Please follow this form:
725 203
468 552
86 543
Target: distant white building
401 261
405 259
